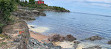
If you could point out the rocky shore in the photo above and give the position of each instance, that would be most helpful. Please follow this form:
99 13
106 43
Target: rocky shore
11 38
25 14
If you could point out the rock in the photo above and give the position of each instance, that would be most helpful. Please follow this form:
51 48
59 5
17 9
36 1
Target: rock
76 44
94 47
32 26
35 44
25 14
49 44
55 38
12 31
57 47
62 39
70 38
109 42
17 40
93 38
42 14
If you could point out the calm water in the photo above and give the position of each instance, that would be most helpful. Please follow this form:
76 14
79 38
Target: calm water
85 19
77 24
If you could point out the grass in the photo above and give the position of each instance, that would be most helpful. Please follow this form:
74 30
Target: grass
3 43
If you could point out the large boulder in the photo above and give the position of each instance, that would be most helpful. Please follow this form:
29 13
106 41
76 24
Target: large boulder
58 37
94 47
13 32
70 38
93 38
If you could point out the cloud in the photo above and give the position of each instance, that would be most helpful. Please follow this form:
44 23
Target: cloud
105 1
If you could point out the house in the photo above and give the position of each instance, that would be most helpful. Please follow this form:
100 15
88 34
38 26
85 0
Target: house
39 2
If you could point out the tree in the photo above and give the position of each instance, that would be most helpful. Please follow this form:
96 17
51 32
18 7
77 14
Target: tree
6 7
32 1
17 1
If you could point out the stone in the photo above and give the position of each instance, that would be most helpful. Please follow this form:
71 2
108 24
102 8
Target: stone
55 38
93 38
109 42
17 40
70 38
76 44
60 38
42 14
32 26
94 47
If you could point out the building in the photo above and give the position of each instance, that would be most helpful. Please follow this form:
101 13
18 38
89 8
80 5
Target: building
39 2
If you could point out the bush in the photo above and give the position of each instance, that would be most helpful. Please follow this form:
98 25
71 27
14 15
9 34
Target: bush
59 8
6 7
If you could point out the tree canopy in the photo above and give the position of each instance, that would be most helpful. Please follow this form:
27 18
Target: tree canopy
32 1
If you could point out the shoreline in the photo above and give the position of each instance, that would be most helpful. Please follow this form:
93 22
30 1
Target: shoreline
65 44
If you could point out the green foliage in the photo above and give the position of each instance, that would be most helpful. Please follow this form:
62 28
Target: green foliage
59 8
18 1
44 6
6 7
3 43
38 6
32 1
1 27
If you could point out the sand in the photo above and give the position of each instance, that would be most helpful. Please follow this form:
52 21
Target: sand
38 29
39 36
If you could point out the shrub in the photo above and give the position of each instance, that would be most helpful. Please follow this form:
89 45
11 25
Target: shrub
6 7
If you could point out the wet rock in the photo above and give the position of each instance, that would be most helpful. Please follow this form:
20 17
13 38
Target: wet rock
42 14
55 38
94 47
32 26
58 37
62 39
70 38
109 42
93 38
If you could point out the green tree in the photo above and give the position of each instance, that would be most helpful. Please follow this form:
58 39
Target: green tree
6 7
17 1
32 1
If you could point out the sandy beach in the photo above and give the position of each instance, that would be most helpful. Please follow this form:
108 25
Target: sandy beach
39 36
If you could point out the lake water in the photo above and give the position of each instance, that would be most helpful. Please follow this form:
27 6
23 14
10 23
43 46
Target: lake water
74 23
85 20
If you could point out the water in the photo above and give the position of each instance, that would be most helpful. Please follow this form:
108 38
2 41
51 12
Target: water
75 24
85 19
